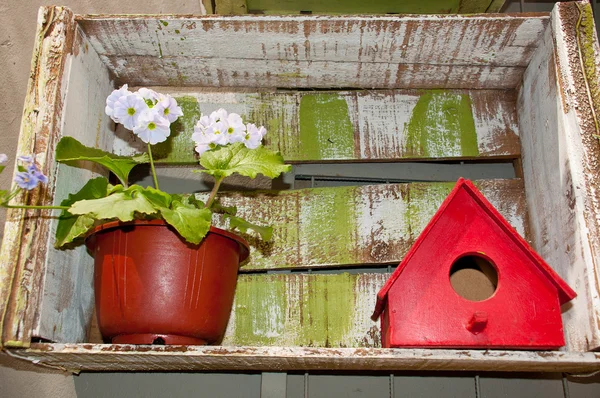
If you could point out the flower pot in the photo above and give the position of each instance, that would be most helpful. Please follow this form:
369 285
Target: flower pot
152 287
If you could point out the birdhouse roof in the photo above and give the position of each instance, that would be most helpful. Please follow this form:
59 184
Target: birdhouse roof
565 293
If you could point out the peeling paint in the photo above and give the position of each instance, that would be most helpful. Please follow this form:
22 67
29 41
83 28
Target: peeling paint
175 149
442 125
325 128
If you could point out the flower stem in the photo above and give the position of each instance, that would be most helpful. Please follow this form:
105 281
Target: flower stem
213 193
152 167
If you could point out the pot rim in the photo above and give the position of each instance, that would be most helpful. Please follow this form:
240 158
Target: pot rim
244 246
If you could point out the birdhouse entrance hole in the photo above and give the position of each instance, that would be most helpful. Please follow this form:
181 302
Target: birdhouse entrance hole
474 277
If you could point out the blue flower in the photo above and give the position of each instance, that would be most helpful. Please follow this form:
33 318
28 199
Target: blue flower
30 178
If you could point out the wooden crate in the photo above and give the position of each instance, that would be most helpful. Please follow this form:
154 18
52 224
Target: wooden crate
279 7
512 88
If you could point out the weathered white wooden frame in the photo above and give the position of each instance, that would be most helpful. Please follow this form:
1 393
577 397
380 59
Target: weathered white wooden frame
78 59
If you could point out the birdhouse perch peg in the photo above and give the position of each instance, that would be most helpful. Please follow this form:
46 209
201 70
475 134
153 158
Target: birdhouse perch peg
478 322
468 234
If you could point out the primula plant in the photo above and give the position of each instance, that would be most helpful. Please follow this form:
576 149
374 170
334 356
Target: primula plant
226 146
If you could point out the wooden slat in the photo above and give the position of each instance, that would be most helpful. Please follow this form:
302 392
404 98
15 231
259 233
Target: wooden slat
560 164
507 40
26 233
305 310
67 297
305 51
373 7
371 225
148 70
186 358
357 125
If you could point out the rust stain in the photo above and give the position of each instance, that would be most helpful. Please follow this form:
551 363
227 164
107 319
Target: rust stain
41 124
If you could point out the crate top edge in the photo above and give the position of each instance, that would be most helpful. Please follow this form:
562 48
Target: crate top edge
302 18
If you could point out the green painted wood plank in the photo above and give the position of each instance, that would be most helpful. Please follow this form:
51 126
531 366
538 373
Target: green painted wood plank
370 7
307 310
358 125
341 226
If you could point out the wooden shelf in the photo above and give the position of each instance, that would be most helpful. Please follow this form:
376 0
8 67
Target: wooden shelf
103 357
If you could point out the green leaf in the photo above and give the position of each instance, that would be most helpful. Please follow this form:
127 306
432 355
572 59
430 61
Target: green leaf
158 198
72 226
119 204
195 202
217 207
192 224
236 158
2 168
266 233
69 150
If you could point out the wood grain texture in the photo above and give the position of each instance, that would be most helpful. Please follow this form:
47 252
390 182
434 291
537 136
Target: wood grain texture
306 51
67 296
147 70
27 233
387 125
305 310
76 357
373 7
368 225
560 164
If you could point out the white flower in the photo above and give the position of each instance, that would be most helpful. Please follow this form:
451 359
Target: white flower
262 131
202 125
203 142
127 110
149 96
114 97
236 128
220 115
253 137
167 108
217 133
3 158
152 128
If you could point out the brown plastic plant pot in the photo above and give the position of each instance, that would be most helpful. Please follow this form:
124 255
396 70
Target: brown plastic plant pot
152 287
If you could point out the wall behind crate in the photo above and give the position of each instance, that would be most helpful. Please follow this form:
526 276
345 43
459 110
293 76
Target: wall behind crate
19 379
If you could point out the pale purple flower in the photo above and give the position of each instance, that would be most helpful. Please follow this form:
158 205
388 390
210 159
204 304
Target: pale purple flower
114 97
253 137
3 158
128 109
217 133
203 142
167 108
236 129
152 128
30 178
149 96
201 125
219 115
25 159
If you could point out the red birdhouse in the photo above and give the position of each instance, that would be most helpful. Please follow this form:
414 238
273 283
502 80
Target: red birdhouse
420 308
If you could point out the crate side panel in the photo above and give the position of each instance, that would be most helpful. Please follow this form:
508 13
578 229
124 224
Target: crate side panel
325 51
194 358
67 298
305 310
558 179
386 125
369 225
26 232
507 40
147 70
